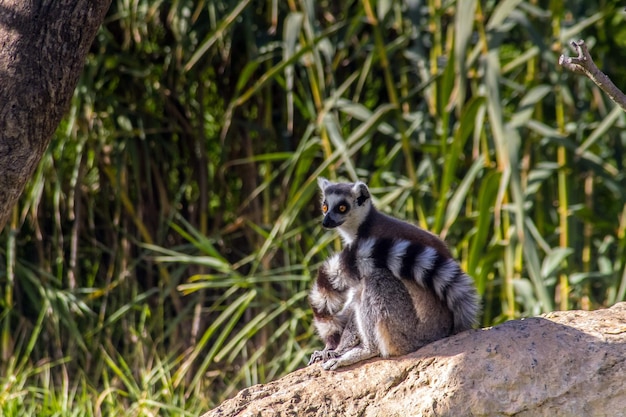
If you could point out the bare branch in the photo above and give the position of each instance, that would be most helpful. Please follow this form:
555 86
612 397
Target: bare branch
583 64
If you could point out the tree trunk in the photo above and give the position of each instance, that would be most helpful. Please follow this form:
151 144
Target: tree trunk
43 45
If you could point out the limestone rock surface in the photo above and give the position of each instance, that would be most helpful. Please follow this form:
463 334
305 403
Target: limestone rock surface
570 363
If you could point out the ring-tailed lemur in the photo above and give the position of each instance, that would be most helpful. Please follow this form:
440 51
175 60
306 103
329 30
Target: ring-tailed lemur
394 284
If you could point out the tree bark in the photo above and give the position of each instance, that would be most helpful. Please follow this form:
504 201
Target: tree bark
43 46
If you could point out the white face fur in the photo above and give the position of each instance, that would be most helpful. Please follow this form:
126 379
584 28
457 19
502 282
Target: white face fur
345 206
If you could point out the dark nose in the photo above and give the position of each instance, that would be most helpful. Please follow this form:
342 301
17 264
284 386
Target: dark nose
329 223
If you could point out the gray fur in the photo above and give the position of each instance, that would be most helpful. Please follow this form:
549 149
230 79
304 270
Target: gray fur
348 341
331 301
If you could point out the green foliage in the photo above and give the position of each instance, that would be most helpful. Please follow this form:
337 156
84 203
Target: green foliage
160 258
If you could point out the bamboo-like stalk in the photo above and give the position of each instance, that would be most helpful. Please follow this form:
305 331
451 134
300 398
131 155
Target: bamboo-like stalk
587 236
436 51
379 44
563 187
6 339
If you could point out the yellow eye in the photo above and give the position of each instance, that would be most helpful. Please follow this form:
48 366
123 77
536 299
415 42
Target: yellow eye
324 208
343 208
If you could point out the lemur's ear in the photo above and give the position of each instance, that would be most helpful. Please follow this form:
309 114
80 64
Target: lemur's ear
323 183
361 191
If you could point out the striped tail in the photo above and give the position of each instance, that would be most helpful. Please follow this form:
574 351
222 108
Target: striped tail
428 268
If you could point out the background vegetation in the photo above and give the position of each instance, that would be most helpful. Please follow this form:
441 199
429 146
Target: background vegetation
160 258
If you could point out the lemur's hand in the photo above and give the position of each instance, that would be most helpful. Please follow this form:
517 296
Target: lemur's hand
322 356
331 364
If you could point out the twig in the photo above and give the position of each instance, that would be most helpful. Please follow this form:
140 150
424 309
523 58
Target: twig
583 64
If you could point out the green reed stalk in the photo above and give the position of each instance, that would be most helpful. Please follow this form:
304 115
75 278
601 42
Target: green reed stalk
563 186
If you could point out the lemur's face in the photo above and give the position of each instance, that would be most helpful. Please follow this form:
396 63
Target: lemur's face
343 204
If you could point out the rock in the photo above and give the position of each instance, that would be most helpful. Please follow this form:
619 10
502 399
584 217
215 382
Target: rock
570 363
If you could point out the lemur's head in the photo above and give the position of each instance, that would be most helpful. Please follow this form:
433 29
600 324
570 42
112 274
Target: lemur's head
345 206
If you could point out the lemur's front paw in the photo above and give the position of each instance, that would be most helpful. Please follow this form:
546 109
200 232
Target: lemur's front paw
331 364
322 356
317 356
